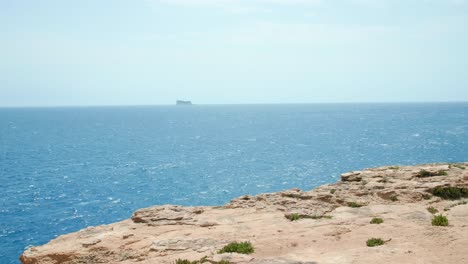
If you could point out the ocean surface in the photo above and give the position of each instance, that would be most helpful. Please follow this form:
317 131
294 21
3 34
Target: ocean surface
62 169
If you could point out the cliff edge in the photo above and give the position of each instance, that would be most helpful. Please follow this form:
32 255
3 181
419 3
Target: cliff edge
329 224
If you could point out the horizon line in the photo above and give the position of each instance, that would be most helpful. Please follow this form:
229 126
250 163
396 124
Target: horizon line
220 104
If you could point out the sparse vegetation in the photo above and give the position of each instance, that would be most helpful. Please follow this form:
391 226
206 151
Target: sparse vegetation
332 191
432 210
425 173
354 204
460 166
294 217
394 198
440 220
455 204
186 261
384 180
374 242
296 196
394 167
237 247
202 260
376 220
426 196
451 193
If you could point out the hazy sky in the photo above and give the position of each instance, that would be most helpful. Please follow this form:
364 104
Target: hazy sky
106 52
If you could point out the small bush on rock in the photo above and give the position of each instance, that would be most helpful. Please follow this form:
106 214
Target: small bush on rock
236 247
432 210
425 173
293 217
185 261
354 205
202 260
374 242
376 220
440 220
450 192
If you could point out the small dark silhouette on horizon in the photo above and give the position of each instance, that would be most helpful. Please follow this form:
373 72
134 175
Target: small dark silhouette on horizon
181 102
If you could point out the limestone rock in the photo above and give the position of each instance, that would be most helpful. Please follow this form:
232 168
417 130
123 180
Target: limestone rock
231 258
351 176
332 227
167 215
183 244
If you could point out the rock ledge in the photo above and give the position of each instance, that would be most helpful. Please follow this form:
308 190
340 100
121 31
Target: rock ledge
333 225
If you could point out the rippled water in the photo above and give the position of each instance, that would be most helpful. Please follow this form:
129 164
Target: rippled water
62 169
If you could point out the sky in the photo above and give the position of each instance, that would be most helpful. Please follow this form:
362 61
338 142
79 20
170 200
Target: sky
146 52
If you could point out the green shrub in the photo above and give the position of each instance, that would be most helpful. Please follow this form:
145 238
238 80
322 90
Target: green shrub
332 191
354 204
451 193
394 198
394 167
224 262
425 173
432 210
236 247
294 217
202 260
440 220
374 242
185 261
376 220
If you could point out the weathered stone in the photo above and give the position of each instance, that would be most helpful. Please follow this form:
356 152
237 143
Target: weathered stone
182 244
231 258
167 215
163 234
351 176
90 242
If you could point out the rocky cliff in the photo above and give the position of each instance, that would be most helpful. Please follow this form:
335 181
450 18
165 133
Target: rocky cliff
329 224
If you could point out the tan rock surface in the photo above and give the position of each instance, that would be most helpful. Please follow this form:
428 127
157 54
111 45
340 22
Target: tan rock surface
329 231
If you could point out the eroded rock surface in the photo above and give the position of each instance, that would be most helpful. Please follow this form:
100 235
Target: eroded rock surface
331 225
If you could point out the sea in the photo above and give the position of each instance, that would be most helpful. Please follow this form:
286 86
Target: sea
63 169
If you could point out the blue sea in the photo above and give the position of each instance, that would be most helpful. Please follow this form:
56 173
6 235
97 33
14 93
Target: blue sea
63 169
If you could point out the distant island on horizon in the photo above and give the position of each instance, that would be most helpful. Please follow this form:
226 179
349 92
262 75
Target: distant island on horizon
182 102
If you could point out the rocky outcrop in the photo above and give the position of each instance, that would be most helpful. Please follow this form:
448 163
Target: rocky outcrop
331 225
167 215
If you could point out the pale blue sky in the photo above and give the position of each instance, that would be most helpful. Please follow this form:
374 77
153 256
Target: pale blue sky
120 52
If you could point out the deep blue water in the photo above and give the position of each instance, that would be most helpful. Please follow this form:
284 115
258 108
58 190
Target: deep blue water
62 169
